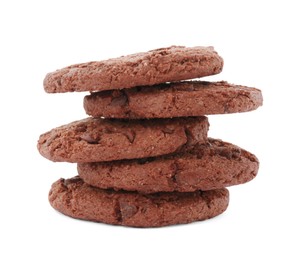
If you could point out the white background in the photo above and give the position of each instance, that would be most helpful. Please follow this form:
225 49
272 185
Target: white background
261 43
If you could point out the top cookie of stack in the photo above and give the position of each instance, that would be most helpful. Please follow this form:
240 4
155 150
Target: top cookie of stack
142 69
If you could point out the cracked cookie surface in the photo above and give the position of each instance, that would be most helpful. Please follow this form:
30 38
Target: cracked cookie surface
146 68
180 99
214 165
77 199
97 139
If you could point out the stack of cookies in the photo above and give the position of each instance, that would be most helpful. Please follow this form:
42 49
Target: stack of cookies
144 156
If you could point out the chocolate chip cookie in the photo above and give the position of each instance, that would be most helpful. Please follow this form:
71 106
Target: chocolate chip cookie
214 165
98 139
146 68
77 199
179 99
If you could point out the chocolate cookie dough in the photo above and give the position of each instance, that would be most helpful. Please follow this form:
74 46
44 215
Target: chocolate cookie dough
77 199
180 99
147 68
214 165
97 139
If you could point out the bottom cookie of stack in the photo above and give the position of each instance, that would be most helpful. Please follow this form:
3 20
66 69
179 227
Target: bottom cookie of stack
77 199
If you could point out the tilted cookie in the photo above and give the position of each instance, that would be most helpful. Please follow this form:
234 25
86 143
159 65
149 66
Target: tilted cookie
181 99
77 199
146 68
97 139
214 165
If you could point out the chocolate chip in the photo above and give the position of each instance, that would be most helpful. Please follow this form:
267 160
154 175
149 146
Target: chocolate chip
127 210
161 51
184 87
119 98
89 139
59 83
81 128
229 153
168 130
131 135
67 182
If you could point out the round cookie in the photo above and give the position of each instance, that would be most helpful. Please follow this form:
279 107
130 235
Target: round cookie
97 139
205 167
147 68
181 99
77 199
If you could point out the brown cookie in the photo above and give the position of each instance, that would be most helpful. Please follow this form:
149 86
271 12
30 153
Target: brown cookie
148 68
205 167
77 199
181 99
97 139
